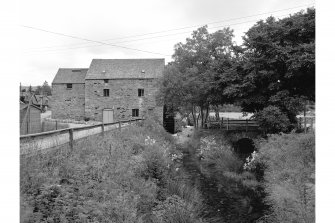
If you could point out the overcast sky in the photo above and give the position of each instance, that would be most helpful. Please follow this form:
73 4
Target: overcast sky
123 23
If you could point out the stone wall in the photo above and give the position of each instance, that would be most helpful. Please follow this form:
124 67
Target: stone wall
123 97
68 103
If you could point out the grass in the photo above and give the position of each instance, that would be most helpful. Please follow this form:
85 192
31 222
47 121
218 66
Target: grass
50 126
126 176
290 176
230 193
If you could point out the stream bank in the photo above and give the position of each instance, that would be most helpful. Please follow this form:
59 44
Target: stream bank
230 194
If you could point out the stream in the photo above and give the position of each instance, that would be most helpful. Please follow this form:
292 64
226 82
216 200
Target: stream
223 203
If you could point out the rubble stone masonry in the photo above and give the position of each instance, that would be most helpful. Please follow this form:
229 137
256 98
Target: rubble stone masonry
68 103
123 97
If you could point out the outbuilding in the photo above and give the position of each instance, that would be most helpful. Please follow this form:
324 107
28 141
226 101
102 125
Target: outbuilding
30 119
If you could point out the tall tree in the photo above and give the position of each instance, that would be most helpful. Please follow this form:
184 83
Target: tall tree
278 66
192 72
45 89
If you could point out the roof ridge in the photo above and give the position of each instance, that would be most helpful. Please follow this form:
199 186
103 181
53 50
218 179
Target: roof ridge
129 59
73 68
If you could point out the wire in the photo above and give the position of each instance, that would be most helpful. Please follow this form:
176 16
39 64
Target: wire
79 47
187 27
93 41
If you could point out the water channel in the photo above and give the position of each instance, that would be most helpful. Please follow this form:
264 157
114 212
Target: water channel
224 203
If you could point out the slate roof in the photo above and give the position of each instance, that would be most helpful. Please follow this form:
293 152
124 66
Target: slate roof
125 68
70 76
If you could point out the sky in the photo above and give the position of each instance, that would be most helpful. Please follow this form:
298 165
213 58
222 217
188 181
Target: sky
146 25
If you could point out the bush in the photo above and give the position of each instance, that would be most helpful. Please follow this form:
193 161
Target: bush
237 194
290 176
221 156
120 177
272 120
175 210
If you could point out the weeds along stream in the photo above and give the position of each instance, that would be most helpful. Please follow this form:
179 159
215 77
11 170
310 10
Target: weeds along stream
230 193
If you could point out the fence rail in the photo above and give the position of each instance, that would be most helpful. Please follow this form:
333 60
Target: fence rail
45 140
232 124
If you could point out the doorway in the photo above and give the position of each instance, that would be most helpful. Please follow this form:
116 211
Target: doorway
108 115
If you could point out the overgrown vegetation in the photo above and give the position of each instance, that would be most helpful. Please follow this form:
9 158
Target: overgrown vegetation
123 177
289 177
276 183
231 193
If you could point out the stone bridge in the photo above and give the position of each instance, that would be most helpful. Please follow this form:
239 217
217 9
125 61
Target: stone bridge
243 141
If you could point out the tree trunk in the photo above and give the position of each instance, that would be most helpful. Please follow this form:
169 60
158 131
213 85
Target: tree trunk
198 120
202 117
194 117
207 113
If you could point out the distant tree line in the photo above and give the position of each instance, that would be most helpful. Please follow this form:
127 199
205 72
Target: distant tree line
272 74
45 89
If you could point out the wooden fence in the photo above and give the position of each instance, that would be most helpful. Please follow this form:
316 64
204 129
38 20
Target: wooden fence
46 140
306 123
232 124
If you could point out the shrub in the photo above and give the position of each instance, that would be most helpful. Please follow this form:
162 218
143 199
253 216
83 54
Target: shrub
272 120
290 176
221 156
120 177
175 210
238 194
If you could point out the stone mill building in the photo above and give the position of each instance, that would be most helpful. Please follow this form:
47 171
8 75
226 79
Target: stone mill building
109 90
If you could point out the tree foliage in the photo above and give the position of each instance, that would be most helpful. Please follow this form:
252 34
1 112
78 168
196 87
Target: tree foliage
190 81
275 66
45 89
278 66
272 120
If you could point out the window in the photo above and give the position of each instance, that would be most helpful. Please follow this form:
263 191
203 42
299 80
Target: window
140 92
68 86
106 92
106 80
150 111
135 112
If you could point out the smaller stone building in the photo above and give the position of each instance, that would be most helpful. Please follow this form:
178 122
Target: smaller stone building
68 94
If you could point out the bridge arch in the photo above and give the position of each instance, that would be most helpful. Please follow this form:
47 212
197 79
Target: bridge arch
243 142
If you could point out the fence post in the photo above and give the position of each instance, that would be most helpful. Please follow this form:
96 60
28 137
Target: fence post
56 124
305 125
43 123
228 124
71 138
300 123
120 125
102 128
312 123
246 128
